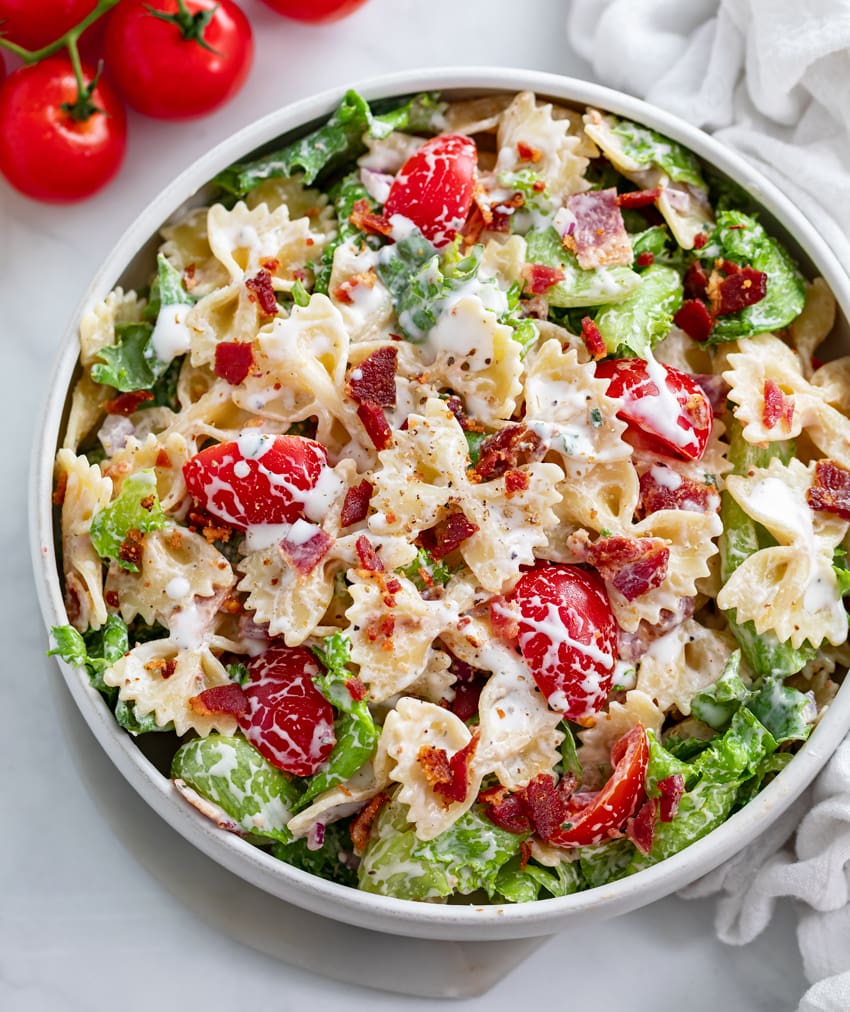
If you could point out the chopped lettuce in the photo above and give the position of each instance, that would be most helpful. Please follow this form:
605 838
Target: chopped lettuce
525 331
233 775
344 196
647 148
737 752
521 885
651 240
136 509
425 571
716 704
570 762
786 712
473 444
662 764
645 316
579 287
333 861
124 365
605 862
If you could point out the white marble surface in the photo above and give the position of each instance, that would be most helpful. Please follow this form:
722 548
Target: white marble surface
86 922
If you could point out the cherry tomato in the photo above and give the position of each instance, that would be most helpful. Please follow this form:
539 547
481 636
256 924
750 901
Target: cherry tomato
666 410
435 185
618 800
182 68
288 720
36 23
258 479
567 636
46 153
315 11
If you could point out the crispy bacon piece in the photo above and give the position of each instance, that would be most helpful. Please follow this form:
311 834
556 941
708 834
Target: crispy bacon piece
260 286
633 566
343 291
221 699
539 278
164 668
356 689
662 488
451 532
546 807
210 527
700 239
126 404
355 506
233 360
593 339
374 379
599 237
361 826
130 549
638 198
515 481
369 558
830 492
778 407
505 450
466 698
375 423
640 829
510 813
304 556
645 259
694 319
527 153
672 788
364 218
695 281
737 290
448 776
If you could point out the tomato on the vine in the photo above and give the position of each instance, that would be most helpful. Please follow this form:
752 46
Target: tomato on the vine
36 24
315 11
51 147
174 59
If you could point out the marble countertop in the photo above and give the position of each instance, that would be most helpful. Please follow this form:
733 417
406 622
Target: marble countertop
103 906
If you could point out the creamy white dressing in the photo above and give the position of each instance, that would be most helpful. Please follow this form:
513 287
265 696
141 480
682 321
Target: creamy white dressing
177 588
171 336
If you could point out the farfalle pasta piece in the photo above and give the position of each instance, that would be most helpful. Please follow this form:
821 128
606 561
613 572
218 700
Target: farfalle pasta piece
301 201
165 455
160 678
813 325
97 327
388 154
476 115
88 401
833 382
362 299
790 589
83 491
594 752
186 246
228 314
435 682
598 497
503 259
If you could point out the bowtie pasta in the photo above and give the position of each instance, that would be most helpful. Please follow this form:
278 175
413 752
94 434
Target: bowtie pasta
463 500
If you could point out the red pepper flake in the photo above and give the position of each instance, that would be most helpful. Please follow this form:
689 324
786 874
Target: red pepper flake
221 700
695 281
634 566
506 449
830 492
451 532
126 404
233 360
374 378
262 292
369 558
738 290
361 826
539 278
640 829
645 259
672 788
364 218
593 339
515 481
304 556
355 506
356 689
638 198
527 153
664 489
375 423
700 239
694 319
778 407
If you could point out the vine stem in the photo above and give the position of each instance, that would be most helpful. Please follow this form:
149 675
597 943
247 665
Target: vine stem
67 41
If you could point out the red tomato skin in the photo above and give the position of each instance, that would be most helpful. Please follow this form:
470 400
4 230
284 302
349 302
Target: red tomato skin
46 154
575 682
256 495
163 75
315 11
629 378
36 23
435 185
618 800
288 720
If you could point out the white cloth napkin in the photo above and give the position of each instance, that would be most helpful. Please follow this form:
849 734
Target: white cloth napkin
771 78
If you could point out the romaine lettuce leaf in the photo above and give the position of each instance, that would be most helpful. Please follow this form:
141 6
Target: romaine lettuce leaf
646 147
95 651
603 285
605 862
425 571
521 885
344 196
124 365
645 316
662 764
716 704
786 712
333 861
137 508
735 755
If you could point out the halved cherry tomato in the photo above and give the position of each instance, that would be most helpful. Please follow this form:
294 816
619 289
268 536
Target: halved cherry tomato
666 410
181 68
288 720
434 187
567 636
618 800
315 11
36 23
44 151
257 479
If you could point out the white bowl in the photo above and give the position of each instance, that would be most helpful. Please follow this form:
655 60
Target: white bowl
129 264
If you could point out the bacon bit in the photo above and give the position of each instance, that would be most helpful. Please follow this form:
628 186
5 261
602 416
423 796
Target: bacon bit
510 813
494 217
126 404
450 532
694 319
515 481
633 565
131 547
221 699
593 339
546 808
382 628
375 423
355 506
344 290
527 153
695 281
210 527
112 599
640 829
374 379
778 407
502 211
356 689
162 667
162 459
61 489
448 776
740 289
830 492
645 259
540 278
503 450
364 218
467 695
369 558
672 788
361 825
306 555
148 503
688 494
435 764
455 405
524 854
233 360
504 619
474 225
700 239
638 198
262 292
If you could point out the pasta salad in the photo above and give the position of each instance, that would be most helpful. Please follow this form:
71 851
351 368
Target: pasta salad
464 500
